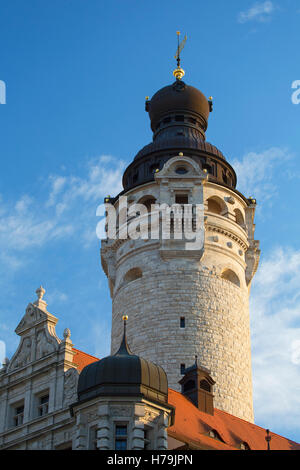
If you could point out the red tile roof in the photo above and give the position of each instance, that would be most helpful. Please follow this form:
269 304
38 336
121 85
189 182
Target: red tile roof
82 359
192 426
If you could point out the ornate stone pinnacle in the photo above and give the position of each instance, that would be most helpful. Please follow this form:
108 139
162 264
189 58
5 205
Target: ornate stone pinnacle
40 293
67 333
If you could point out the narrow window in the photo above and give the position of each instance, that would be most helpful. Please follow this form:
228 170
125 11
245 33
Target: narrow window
147 439
182 369
43 405
121 437
182 322
93 438
181 199
19 415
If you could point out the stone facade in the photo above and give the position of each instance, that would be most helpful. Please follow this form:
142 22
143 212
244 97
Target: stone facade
162 286
39 407
38 385
97 421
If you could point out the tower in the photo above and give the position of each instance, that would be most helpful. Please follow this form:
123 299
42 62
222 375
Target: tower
184 301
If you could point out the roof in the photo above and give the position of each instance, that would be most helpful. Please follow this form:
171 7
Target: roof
192 426
82 359
123 373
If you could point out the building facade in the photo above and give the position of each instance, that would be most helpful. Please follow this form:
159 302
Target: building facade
183 300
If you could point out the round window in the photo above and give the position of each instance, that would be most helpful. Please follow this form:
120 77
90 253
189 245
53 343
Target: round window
181 170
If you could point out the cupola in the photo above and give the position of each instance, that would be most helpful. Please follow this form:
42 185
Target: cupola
123 374
197 386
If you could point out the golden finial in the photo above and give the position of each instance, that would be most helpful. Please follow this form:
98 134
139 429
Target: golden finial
147 98
125 318
179 72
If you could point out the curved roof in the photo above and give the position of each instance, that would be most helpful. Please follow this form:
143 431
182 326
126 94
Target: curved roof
178 97
180 142
123 374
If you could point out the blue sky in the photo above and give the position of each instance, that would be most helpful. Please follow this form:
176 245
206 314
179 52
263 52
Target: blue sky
77 73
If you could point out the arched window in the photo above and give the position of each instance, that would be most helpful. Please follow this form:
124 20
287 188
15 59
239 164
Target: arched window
204 385
147 201
132 275
239 217
189 386
216 205
229 275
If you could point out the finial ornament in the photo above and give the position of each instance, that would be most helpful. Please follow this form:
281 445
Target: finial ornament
268 439
179 72
40 293
67 333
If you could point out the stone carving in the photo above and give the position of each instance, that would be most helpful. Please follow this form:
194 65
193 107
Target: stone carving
70 386
121 411
23 357
150 416
44 346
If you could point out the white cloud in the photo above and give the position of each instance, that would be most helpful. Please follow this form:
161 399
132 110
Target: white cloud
67 208
58 183
258 12
275 327
255 172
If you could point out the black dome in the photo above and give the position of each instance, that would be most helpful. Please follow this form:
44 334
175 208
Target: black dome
123 374
178 98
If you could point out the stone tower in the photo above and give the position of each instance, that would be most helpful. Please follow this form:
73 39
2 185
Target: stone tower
185 302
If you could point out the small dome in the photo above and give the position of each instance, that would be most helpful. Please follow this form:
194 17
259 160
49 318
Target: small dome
177 98
123 374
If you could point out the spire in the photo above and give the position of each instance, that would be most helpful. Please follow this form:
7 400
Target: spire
124 348
179 72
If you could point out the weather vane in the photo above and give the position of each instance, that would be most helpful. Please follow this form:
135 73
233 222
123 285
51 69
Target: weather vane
179 72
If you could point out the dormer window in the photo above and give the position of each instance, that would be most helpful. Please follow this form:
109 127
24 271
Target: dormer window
190 385
245 446
215 435
197 386
204 385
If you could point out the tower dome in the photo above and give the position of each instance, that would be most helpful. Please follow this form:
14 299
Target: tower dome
123 374
179 118
178 98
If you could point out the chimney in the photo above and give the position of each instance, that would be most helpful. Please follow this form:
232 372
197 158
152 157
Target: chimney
197 386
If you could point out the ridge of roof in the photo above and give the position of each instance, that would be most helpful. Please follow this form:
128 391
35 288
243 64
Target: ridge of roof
194 425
